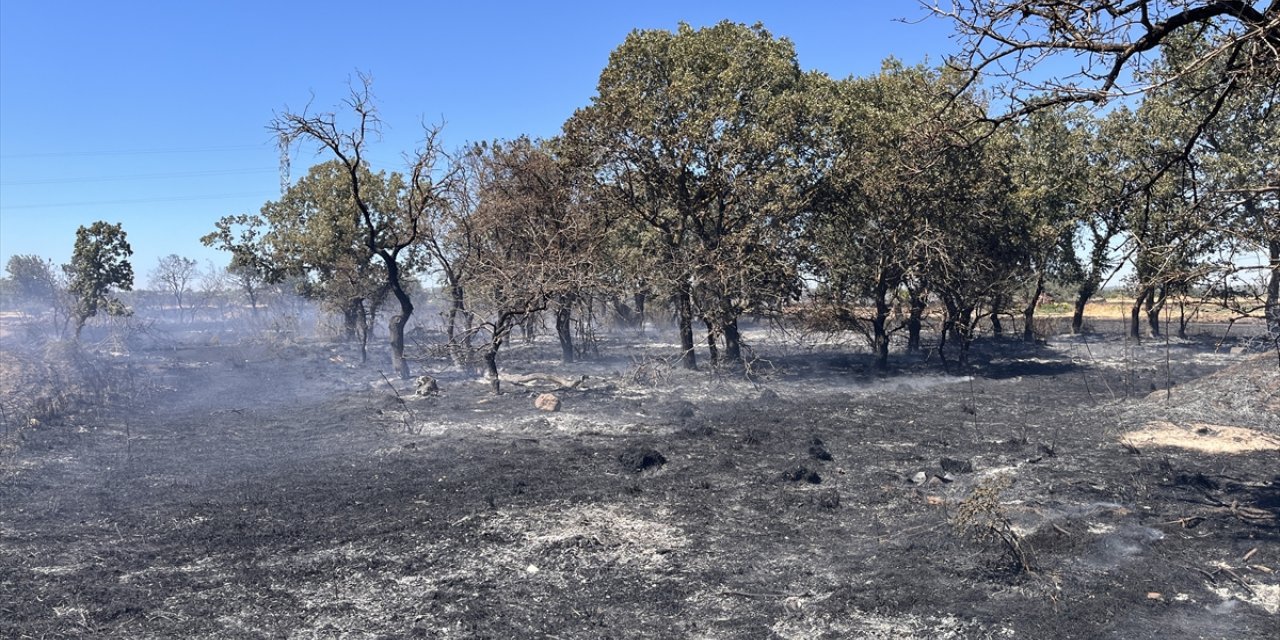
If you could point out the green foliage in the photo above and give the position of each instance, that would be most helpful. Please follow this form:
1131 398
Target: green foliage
33 277
315 234
711 173
99 265
251 267
700 137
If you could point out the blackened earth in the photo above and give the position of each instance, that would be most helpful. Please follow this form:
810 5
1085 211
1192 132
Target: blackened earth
246 492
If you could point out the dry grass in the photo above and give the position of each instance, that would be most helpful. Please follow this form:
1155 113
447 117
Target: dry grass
1199 436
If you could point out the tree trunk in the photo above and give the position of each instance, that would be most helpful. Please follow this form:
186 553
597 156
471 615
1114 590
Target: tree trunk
1182 318
732 342
880 338
457 310
625 315
997 326
1086 291
1273 291
942 342
491 367
564 331
1077 316
964 334
1153 307
396 327
684 315
350 317
362 328
1029 311
639 300
398 363
1135 314
915 319
397 324
713 350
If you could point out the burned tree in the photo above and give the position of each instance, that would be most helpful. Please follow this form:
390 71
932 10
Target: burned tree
394 234
886 154
1007 42
175 275
535 243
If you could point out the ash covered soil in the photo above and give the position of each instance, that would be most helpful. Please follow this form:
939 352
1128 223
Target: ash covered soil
284 492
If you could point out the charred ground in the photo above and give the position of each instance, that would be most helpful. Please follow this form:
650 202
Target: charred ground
277 490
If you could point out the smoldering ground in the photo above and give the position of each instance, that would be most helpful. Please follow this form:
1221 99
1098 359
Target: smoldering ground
255 487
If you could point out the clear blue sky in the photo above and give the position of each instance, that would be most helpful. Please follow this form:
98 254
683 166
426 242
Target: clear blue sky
154 114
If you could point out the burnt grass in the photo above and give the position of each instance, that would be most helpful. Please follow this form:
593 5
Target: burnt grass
271 493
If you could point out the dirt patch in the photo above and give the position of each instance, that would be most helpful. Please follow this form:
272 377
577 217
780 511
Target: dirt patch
1200 436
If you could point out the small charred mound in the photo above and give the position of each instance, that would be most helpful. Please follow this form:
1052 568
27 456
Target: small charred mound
696 428
828 499
954 465
818 450
638 458
801 473
682 409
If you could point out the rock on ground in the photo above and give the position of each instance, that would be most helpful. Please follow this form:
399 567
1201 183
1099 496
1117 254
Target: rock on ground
547 402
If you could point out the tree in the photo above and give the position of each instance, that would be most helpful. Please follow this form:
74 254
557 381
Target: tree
698 135
1050 168
1233 159
99 265
885 144
251 268
535 243
393 235
175 274
976 243
1009 42
313 234
33 277
538 192
35 280
1234 60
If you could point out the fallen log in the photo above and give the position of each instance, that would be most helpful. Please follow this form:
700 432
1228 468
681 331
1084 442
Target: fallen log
561 383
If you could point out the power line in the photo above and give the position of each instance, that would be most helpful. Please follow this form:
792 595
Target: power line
131 152
223 196
144 176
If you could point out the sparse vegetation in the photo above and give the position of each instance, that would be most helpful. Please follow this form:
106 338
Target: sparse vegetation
982 517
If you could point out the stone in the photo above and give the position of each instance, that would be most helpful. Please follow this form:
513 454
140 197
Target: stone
426 386
547 402
920 478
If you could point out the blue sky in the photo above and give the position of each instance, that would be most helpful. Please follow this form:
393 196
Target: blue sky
154 114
